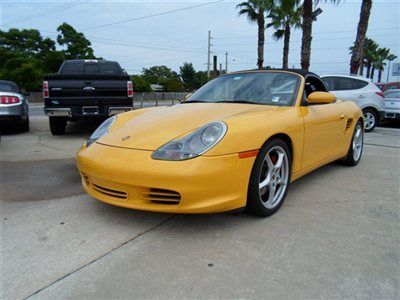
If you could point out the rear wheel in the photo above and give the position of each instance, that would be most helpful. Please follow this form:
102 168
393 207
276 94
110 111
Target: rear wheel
24 127
371 119
354 154
57 125
269 180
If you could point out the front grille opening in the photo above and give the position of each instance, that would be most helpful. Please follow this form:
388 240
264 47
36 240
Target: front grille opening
162 196
110 192
85 178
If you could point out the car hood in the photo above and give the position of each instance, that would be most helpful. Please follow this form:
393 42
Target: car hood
155 127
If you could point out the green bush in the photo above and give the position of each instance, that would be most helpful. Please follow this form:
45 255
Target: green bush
140 85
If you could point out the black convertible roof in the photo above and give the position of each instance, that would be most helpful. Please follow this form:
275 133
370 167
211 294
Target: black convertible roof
301 72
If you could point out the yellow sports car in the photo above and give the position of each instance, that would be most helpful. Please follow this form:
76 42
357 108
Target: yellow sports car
236 143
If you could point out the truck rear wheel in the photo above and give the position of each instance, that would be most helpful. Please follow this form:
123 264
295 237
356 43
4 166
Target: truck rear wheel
57 125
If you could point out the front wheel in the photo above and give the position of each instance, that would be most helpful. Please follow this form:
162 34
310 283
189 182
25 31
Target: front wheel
269 179
354 153
371 119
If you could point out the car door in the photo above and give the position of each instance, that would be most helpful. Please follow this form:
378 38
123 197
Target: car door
324 126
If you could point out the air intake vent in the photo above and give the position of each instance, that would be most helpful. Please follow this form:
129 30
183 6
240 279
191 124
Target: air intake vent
109 192
85 179
163 196
348 123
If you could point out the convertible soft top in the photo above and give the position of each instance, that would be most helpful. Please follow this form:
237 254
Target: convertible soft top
301 72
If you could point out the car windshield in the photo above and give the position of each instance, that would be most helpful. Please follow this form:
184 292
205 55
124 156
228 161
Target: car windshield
270 88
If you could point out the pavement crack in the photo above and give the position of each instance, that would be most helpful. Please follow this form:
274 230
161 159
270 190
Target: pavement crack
101 256
40 143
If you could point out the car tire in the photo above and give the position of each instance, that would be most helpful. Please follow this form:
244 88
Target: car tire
356 147
371 119
271 172
57 125
24 127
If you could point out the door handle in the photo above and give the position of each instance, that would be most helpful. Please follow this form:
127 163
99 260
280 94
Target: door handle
342 116
361 96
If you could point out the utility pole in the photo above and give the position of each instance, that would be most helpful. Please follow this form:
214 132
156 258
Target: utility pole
226 62
209 54
220 69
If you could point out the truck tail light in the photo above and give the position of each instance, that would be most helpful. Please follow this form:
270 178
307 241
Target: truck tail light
130 88
9 100
45 89
380 94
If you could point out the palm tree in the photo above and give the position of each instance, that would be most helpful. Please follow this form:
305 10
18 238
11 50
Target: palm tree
255 11
283 17
369 55
357 54
390 58
307 31
380 64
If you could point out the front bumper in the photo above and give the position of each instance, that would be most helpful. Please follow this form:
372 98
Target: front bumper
131 178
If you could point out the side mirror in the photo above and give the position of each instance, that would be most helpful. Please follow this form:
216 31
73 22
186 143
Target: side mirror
321 98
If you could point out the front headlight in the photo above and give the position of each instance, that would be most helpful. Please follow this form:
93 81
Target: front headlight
193 144
101 130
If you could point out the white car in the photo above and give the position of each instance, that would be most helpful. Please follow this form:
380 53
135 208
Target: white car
362 91
392 104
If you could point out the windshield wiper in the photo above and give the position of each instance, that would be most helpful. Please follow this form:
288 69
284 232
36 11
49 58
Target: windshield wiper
237 101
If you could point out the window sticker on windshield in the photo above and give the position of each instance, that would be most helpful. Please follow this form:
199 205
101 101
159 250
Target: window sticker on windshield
237 77
275 99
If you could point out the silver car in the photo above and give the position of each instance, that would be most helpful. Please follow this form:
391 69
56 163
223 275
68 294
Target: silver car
392 104
14 107
363 92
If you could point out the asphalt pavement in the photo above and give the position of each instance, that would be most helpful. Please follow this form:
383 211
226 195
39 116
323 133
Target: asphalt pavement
336 236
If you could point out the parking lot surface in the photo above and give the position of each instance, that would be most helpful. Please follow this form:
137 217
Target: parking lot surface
336 236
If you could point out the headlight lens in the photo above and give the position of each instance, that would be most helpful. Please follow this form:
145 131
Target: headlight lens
101 130
193 144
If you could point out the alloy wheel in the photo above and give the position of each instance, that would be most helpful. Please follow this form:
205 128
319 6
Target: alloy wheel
274 177
357 142
369 120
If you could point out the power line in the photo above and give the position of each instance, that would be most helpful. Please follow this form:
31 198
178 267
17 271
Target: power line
152 15
47 12
316 33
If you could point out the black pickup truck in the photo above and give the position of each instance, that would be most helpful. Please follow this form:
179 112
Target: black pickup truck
85 89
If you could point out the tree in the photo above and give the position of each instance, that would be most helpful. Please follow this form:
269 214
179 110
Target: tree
307 34
158 74
27 56
75 44
188 75
357 55
173 85
255 11
140 85
390 58
283 16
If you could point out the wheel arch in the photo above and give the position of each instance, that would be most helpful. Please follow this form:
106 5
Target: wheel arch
286 139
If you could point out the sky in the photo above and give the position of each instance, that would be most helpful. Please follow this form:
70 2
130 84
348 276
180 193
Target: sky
141 34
